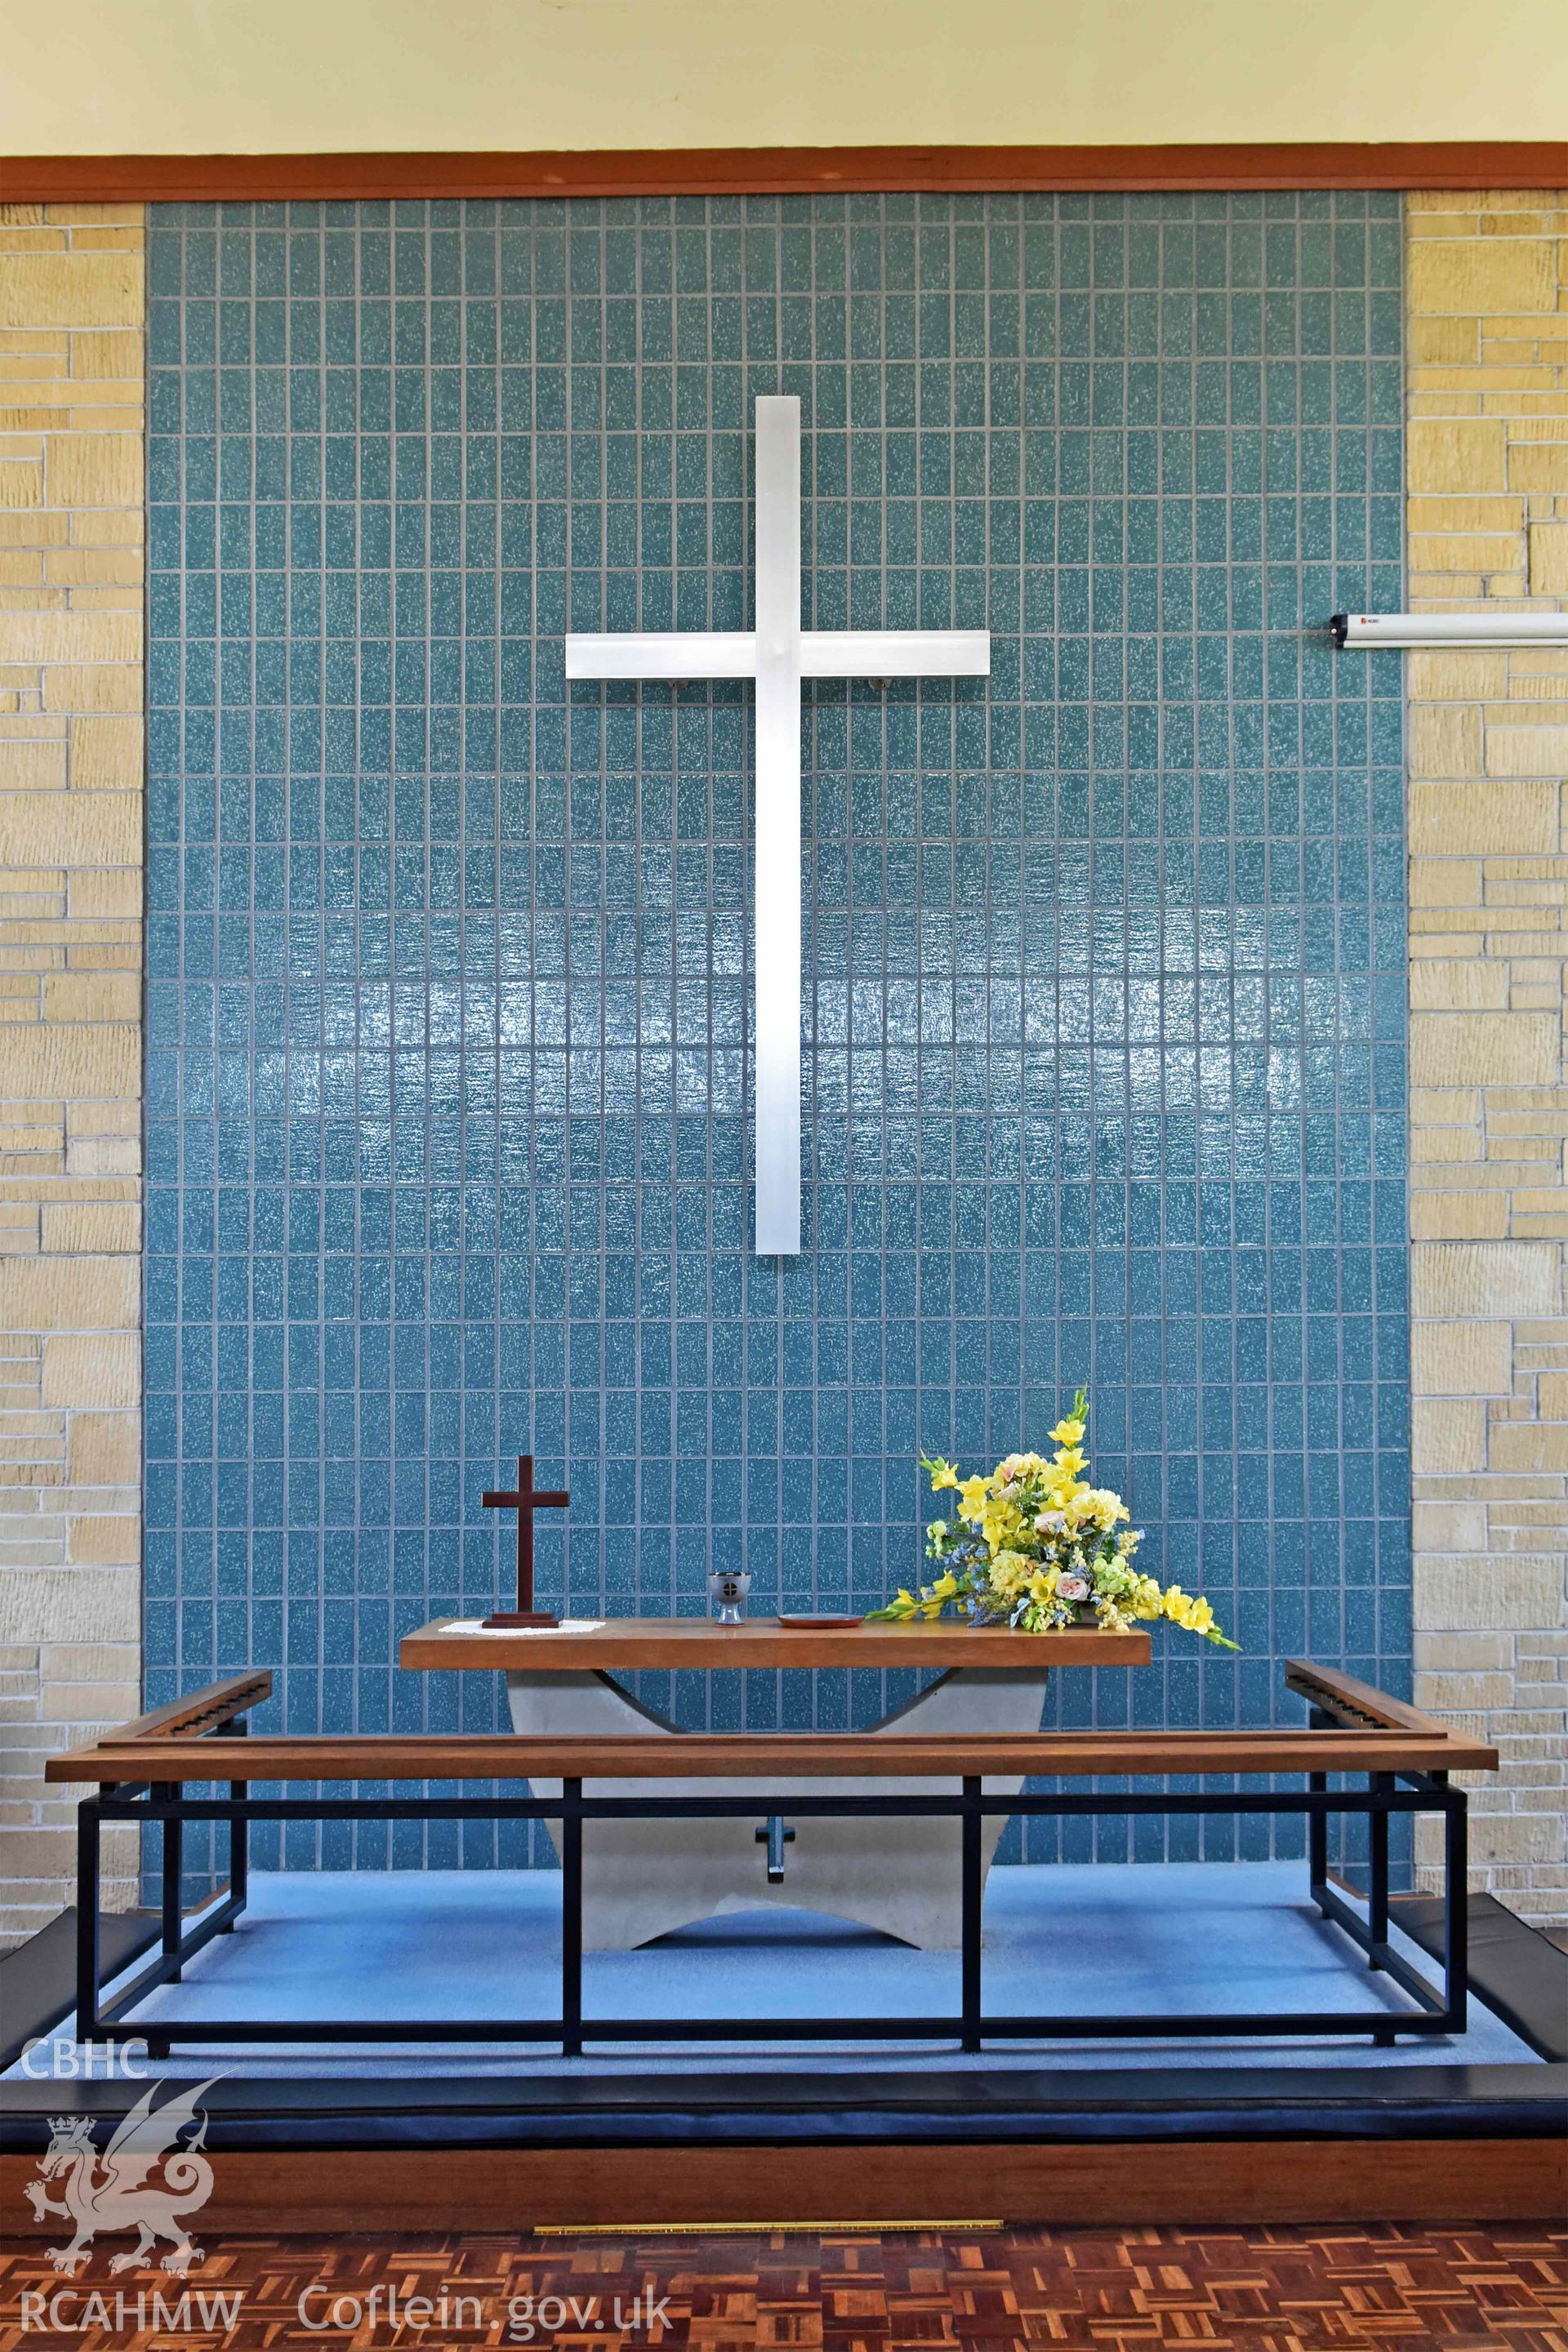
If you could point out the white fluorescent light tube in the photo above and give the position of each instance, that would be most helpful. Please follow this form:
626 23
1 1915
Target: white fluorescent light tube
1498 627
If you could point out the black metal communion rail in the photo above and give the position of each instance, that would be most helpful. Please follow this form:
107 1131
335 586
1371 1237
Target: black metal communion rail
165 1806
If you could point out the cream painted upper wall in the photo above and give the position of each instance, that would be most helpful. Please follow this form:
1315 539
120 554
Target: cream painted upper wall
107 77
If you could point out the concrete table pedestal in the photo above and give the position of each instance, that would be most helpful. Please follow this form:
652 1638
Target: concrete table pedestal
642 1878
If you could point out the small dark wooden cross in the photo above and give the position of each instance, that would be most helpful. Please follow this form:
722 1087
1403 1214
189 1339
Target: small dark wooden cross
528 1499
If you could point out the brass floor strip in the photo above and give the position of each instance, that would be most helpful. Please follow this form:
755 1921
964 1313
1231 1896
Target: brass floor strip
743 2229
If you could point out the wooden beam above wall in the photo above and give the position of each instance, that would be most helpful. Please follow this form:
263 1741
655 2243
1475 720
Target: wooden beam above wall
781 170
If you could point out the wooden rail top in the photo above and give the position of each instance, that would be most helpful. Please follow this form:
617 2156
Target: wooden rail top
186 1741
201 1710
1357 1704
763 1756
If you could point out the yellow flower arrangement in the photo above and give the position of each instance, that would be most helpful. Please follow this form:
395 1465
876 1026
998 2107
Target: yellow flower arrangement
1035 1546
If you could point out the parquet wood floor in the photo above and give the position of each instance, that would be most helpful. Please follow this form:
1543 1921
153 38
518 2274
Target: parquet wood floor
1386 2287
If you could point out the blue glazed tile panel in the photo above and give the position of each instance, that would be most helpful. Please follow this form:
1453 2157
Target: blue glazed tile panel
449 1006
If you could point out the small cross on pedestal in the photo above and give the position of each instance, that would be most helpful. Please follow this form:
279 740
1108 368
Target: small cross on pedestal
528 1499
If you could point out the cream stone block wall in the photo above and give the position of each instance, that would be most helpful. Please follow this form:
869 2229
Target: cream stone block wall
1487 519
1488 522
72 399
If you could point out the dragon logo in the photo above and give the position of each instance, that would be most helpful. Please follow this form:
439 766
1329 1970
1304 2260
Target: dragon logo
112 2191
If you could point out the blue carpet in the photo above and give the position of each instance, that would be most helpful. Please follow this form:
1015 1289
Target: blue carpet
1147 1941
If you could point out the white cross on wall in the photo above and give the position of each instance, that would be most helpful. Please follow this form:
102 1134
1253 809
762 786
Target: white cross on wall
778 655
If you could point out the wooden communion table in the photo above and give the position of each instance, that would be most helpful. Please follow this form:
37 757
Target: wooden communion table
642 1878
